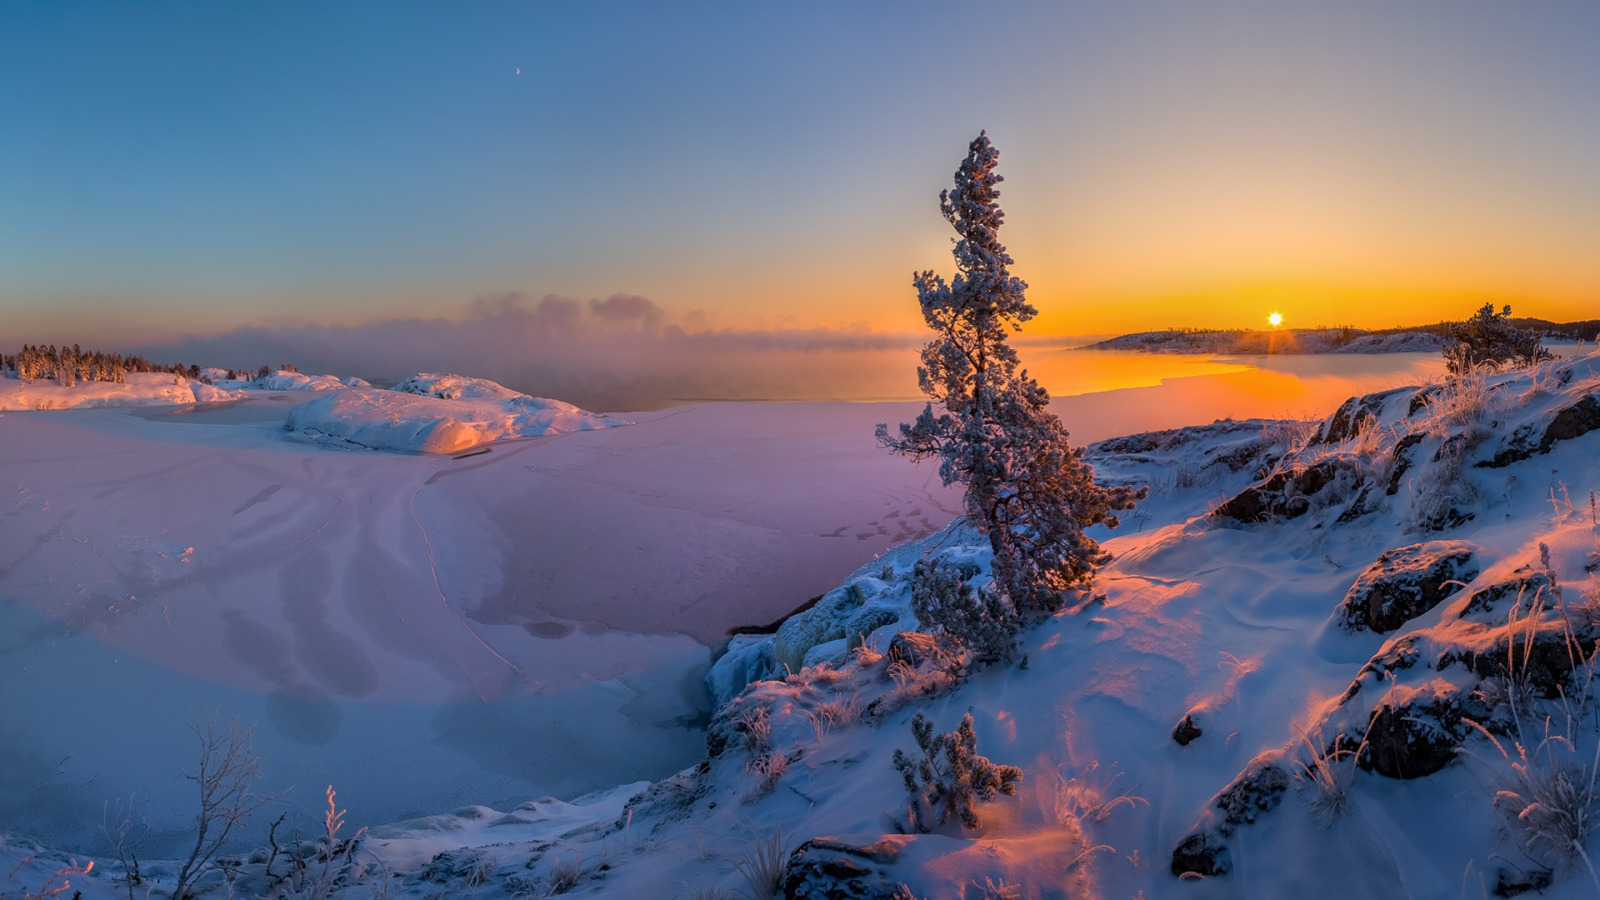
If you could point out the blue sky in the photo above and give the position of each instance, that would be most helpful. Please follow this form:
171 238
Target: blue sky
195 167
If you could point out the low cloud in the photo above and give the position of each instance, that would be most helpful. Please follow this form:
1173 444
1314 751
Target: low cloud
624 352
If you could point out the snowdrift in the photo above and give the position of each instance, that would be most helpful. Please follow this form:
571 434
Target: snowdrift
434 414
140 389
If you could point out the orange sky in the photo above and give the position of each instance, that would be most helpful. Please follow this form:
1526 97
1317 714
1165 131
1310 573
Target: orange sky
1167 164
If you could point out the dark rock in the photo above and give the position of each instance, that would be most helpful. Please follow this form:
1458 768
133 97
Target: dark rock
1528 584
1402 461
1257 790
1576 420
1283 494
1405 583
1573 421
1398 656
1421 400
1513 884
833 869
1186 730
1201 855
1346 421
1542 660
450 865
1413 739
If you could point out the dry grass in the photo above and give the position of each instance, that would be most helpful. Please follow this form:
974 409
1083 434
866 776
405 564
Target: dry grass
765 863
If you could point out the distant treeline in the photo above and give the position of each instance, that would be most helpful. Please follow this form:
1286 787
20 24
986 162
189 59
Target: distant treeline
69 365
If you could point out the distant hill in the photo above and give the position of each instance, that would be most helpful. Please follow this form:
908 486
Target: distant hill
1345 339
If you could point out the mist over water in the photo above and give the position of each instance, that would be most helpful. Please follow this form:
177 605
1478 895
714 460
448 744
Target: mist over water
627 354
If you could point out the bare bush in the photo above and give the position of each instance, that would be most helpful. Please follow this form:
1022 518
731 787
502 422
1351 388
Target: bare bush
765 863
227 770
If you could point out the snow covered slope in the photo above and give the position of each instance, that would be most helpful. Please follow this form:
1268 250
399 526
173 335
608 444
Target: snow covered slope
1348 660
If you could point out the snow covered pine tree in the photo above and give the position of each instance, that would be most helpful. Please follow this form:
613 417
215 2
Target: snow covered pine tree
1026 487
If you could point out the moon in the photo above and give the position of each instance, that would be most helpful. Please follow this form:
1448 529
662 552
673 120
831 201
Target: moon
519 71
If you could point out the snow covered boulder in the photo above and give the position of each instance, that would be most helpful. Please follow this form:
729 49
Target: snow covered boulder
1355 413
1257 790
1285 494
285 380
828 868
455 387
404 422
830 620
748 658
1405 583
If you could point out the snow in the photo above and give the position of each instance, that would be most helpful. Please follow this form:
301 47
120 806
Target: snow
488 559
140 389
404 422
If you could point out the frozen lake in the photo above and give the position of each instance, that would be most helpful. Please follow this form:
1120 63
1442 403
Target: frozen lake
425 633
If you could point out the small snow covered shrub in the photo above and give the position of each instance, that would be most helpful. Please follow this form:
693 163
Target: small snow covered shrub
984 623
844 709
1327 769
1089 796
950 777
565 874
1487 341
1550 800
768 770
755 729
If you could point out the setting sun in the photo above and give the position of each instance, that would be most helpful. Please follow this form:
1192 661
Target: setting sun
1275 320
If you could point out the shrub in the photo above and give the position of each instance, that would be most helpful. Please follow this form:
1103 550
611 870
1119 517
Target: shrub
942 597
1488 341
950 777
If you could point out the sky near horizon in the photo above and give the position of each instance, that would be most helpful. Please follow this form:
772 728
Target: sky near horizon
196 168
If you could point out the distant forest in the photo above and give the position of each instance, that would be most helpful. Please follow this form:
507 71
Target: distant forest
69 365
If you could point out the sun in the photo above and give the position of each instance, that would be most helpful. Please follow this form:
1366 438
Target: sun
1275 320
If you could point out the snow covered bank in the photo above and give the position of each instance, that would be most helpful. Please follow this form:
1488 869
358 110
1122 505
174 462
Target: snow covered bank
140 389
434 414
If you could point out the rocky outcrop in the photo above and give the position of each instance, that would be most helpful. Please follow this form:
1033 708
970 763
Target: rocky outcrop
1285 494
1257 790
1349 419
1405 583
1574 420
828 868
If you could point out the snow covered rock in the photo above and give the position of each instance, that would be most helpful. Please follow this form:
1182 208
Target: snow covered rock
455 387
410 422
1256 790
830 620
1349 419
139 389
1405 583
1285 494
748 658
285 380
828 868
1187 730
